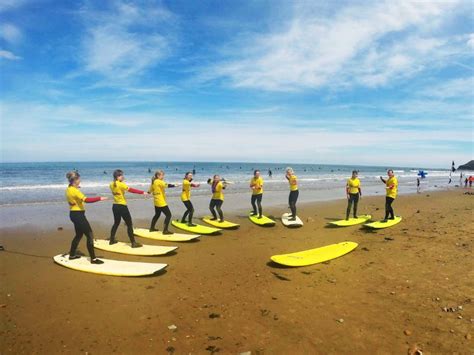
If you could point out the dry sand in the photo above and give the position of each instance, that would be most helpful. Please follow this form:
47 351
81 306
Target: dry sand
224 296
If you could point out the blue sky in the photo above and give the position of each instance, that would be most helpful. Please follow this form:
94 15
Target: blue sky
350 82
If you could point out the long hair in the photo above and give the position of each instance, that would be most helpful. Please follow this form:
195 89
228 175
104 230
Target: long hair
255 172
156 175
117 174
72 176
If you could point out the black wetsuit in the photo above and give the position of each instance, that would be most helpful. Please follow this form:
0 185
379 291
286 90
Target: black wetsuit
167 213
388 208
121 212
292 201
216 204
81 226
353 199
257 202
188 213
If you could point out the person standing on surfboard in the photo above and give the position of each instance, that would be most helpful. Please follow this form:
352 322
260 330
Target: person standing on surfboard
354 192
77 214
217 188
391 188
120 208
293 181
157 188
256 184
186 198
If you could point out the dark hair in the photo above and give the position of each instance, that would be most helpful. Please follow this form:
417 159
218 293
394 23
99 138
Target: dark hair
116 174
186 175
255 171
72 176
390 170
355 172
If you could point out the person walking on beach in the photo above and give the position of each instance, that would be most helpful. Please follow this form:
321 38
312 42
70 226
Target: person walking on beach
391 187
354 192
256 184
217 188
120 208
157 188
294 192
77 214
418 185
186 198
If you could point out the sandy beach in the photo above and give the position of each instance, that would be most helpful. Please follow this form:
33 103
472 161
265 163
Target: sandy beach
404 288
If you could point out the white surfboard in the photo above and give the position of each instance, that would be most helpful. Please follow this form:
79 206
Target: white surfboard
158 235
109 267
291 224
126 248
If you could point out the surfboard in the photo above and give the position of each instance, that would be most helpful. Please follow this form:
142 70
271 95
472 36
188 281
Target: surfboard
264 221
291 224
315 256
223 225
198 229
381 225
110 267
125 248
351 221
175 237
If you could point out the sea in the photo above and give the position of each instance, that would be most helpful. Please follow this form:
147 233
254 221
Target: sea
36 183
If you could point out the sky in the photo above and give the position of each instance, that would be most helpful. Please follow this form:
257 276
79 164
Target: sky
343 82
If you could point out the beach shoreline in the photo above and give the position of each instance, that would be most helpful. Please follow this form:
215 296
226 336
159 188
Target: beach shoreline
224 295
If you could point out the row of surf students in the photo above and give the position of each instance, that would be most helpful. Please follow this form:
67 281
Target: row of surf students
77 200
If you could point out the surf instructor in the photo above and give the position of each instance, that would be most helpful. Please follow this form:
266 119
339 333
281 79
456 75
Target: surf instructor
354 192
391 187
76 199
256 184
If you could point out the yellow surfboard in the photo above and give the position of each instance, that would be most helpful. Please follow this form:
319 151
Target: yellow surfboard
126 248
109 267
175 237
264 221
223 225
381 225
315 256
198 229
351 221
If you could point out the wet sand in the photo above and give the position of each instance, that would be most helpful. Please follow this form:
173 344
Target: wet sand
224 296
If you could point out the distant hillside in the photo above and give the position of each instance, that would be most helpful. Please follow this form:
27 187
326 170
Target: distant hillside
467 166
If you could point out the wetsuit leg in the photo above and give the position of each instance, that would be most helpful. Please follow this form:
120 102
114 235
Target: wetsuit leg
254 206
117 218
292 202
167 212
355 199
212 205
219 210
388 207
127 217
73 215
259 204
349 206
155 218
188 213
82 227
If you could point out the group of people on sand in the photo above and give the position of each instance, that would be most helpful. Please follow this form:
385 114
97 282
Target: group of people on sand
77 200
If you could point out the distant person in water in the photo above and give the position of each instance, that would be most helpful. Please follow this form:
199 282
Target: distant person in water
217 189
391 188
105 172
294 192
157 188
186 198
149 170
256 184
77 214
270 174
194 171
418 185
353 192
120 208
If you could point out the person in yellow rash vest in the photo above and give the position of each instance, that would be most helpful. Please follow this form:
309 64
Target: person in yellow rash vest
77 214
256 184
157 188
391 187
354 192
120 208
186 198
294 193
217 188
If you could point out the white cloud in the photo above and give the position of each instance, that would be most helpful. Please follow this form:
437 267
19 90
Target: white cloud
125 40
9 55
453 88
367 45
10 33
6 5
470 40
